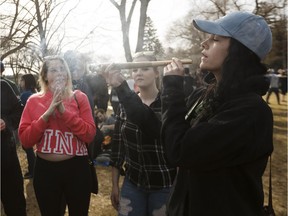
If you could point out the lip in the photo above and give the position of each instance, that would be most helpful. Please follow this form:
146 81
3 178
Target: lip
204 55
139 80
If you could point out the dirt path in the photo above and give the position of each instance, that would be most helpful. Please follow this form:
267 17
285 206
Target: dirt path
100 204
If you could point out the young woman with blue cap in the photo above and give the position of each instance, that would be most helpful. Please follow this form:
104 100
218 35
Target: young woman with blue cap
222 137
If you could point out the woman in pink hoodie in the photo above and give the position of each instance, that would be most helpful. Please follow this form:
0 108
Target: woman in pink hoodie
60 123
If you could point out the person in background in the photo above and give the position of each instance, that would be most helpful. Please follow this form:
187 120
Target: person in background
28 86
99 89
283 83
148 176
92 84
12 190
274 85
106 125
16 92
60 123
222 137
77 65
12 84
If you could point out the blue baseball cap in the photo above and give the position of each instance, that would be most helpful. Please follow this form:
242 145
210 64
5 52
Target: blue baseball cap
249 29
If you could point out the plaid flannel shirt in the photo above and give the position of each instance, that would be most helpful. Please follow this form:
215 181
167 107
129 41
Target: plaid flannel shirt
136 143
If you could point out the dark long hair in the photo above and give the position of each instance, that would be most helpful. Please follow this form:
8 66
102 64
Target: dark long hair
30 82
242 72
241 67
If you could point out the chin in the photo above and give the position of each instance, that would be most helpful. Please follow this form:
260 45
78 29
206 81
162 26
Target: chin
202 67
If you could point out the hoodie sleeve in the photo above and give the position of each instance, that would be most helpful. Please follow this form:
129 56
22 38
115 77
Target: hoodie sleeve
137 112
31 127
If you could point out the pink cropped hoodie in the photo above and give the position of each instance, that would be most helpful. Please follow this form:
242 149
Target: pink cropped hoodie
65 133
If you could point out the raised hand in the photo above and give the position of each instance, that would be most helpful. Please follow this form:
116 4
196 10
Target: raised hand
174 68
56 103
113 76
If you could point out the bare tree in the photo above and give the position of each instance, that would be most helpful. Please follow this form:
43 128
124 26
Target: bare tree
30 27
142 22
48 29
17 28
125 25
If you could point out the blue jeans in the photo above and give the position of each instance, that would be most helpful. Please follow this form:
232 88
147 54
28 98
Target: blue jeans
141 202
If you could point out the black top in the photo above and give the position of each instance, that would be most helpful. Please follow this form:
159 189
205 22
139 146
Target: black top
13 85
137 142
221 161
11 110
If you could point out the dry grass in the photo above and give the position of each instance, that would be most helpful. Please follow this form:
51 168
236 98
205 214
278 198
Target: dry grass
279 159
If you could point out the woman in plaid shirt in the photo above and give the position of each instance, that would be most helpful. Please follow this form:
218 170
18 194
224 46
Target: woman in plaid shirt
148 177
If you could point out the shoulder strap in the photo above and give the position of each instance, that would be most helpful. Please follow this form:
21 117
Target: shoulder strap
90 161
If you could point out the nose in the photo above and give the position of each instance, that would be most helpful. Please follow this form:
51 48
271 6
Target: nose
204 44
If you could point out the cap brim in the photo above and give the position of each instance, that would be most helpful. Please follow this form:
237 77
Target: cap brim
210 27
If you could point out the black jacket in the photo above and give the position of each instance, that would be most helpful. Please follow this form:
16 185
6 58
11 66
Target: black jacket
11 110
221 161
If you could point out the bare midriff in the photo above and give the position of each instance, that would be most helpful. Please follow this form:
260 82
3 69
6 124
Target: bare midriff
54 157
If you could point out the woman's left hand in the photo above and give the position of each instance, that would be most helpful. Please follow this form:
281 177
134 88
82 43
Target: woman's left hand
174 68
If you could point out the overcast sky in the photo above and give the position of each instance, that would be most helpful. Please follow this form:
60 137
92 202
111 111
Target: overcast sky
102 18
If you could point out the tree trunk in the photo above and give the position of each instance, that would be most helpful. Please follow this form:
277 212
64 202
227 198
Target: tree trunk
43 43
142 22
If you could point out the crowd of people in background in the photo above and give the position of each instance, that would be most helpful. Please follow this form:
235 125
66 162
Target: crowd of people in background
12 187
143 131
28 86
278 84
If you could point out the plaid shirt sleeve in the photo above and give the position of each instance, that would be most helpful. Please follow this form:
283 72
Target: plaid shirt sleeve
118 151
